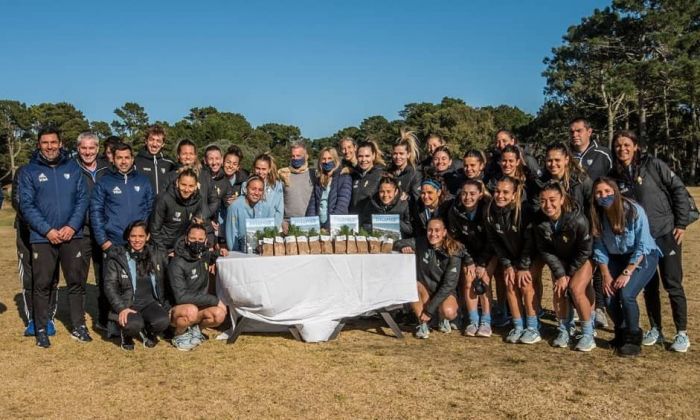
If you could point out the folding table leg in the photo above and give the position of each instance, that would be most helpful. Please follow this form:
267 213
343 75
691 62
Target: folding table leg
337 330
295 333
391 323
238 330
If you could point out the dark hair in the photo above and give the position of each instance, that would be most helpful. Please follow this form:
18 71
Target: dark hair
618 168
185 142
521 172
234 150
111 142
620 213
194 226
443 149
475 153
210 148
144 267
122 147
559 187
183 172
154 130
573 169
580 120
388 179
46 130
517 198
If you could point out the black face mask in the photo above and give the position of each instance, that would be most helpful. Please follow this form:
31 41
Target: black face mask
196 248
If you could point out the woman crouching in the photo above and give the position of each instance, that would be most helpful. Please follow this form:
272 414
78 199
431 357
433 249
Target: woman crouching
195 308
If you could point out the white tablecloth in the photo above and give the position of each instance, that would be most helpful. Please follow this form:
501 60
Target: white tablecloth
313 292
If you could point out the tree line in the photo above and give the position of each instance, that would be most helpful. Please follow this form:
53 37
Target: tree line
632 65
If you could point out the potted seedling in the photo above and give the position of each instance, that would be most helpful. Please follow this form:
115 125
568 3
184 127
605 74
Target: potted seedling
266 239
326 242
290 241
341 239
387 243
361 240
302 241
314 242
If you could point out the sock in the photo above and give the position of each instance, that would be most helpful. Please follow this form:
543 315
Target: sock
474 317
587 327
486 318
532 322
563 325
518 323
592 316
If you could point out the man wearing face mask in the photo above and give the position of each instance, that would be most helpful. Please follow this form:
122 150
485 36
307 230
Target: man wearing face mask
298 181
151 162
194 307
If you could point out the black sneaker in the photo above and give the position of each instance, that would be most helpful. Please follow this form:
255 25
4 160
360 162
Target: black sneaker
42 339
81 334
127 343
149 339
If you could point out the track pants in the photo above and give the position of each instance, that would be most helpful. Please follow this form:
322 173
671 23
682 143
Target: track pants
91 250
671 274
24 269
153 318
45 262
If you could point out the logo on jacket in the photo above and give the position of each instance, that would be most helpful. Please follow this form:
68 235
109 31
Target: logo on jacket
565 239
137 188
124 275
116 190
589 162
42 177
194 273
162 170
176 216
66 176
147 169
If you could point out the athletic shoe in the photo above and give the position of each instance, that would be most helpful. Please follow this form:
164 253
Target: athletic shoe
81 334
585 343
632 346
680 342
562 340
653 336
197 336
601 319
42 339
471 330
514 335
422 331
530 336
444 326
51 328
184 341
149 340
29 331
484 330
127 342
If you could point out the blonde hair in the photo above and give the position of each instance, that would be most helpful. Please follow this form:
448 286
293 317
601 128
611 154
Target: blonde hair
409 140
272 175
325 178
378 156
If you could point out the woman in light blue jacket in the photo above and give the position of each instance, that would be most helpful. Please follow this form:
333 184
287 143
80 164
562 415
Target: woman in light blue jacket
250 206
265 168
627 257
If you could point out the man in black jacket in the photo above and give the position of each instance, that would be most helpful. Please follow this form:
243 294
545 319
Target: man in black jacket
193 307
151 162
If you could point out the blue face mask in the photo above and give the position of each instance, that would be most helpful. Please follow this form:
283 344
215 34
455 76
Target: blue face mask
297 163
328 166
606 201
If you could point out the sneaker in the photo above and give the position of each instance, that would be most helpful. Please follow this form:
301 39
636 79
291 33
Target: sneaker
530 336
197 336
184 341
149 340
680 343
601 319
42 339
29 331
81 334
484 330
653 336
51 328
422 331
127 342
444 326
471 330
585 343
514 335
562 340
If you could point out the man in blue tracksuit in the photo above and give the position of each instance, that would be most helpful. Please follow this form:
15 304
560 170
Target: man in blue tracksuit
54 199
120 197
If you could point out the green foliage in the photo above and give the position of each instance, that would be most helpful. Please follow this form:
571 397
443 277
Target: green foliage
345 230
64 116
131 123
268 232
313 232
363 232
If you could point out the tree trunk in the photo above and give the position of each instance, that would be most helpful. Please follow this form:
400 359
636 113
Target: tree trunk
642 120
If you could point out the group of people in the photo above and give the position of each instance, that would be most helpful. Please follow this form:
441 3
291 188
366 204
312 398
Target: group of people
601 222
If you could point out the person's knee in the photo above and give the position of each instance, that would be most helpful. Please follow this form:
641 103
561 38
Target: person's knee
133 326
219 316
160 324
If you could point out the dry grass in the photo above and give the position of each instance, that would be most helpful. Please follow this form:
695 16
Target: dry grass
362 374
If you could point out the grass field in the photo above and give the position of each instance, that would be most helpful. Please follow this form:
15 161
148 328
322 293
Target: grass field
363 374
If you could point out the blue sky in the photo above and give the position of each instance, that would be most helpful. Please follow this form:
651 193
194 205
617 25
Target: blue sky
320 65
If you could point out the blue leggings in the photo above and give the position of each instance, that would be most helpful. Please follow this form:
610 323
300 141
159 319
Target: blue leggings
622 306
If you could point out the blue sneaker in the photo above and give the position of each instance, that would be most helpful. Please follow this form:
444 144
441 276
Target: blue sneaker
444 326
29 331
653 336
680 342
51 328
530 336
184 341
514 335
562 340
422 331
586 343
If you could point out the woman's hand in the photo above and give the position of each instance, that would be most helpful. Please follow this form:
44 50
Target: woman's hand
425 317
123 315
608 287
471 272
480 272
621 281
524 278
560 285
509 276
407 250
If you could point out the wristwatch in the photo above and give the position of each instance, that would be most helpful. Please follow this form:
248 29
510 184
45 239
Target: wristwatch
626 272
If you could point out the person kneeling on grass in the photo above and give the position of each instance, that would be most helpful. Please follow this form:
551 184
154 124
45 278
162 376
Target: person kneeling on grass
627 256
133 277
565 244
188 273
438 260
